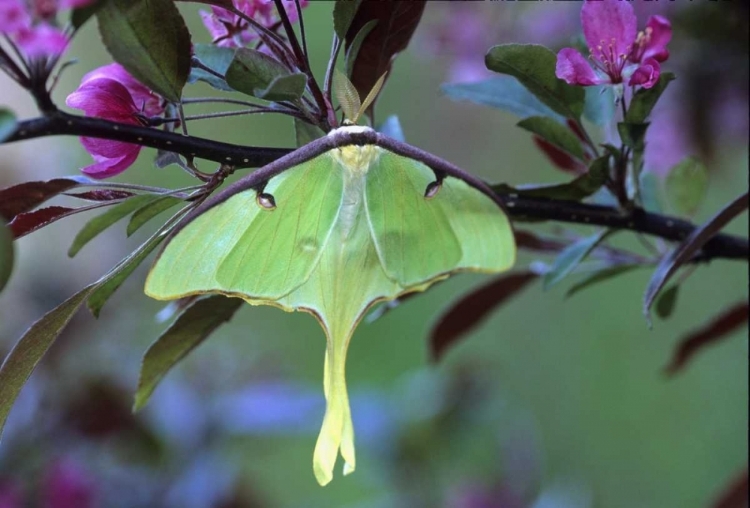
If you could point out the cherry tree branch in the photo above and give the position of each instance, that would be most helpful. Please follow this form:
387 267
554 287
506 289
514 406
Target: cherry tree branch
518 207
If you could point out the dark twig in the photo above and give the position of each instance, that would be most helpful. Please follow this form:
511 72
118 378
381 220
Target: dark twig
518 207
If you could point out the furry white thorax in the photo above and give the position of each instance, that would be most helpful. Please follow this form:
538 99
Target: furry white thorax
349 129
356 162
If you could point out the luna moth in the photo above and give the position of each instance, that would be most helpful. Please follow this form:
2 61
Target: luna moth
349 220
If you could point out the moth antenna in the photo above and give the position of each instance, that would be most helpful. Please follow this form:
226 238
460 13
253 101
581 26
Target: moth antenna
347 96
371 96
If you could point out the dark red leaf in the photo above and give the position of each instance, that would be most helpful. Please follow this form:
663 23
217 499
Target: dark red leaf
101 195
736 493
27 196
723 324
396 22
688 248
471 309
576 128
559 158
25 223
529 241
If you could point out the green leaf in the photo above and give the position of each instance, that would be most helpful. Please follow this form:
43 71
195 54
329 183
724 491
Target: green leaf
651 198
356 44
633 134
600 104
32 346
149 38
215 58
645 99
575 190
114 279
571 257
502 92
7 124
555 133
666 302
686 186
306 132
6 253
534 67
81 15
150 210
600 276
108 218
187 332
343 14
257 74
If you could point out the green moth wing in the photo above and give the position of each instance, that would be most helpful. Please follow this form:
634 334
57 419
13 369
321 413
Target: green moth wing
412 234
359 218
420 235
239 247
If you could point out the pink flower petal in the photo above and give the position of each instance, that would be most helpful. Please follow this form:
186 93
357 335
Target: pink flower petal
41 40
660 34
647 74
108 167
572 68
73 4
13 16
144 99
610 25
108 148
216 28
104 98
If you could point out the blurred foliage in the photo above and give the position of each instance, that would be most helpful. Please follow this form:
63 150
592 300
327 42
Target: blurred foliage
551 402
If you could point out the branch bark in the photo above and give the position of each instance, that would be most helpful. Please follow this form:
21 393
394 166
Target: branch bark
518 207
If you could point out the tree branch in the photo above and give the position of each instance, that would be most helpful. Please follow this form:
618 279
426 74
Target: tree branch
518 207
61 123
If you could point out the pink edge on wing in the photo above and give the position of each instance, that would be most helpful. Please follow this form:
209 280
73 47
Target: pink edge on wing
609 22
573 68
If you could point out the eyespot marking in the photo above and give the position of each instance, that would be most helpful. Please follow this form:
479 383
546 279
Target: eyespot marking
432 189
266 201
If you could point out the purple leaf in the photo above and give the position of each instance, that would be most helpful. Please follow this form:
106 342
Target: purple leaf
27 196
396 22
688 248
719 327
532 242
471 309
101 195
25 223
736 493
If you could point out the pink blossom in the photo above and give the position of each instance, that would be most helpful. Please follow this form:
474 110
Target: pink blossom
13 16
66 485
111 93
31 25
618 53
233 31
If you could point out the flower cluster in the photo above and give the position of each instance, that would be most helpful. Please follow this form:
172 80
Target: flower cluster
110 92
233 31
618 53
30 24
